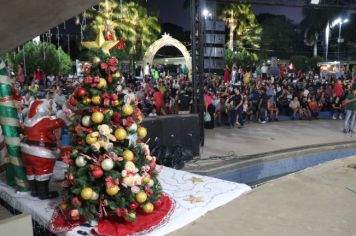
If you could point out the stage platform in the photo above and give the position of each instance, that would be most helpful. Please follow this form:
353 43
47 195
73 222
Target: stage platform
194 196
317 201
224 148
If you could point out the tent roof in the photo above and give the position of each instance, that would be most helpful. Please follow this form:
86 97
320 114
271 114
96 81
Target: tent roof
22 20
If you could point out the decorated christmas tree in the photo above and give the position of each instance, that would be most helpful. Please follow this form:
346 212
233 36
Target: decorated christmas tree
111 171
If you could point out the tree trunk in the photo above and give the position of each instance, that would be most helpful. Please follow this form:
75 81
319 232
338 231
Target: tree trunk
231 39
315 49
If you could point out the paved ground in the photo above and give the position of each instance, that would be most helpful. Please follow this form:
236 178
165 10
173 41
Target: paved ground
256 140
317 201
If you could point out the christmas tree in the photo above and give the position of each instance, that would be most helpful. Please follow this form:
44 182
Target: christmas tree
111 171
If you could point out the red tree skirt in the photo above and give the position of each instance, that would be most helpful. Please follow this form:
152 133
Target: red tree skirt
117 227
144 223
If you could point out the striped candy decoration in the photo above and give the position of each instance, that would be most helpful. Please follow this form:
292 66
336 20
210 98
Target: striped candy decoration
15 173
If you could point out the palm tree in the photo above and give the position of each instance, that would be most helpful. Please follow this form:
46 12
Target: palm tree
130 21
230 15
240 18
138 28
314 23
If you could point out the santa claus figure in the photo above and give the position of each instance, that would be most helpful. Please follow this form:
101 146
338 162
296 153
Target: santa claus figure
39 148
3 152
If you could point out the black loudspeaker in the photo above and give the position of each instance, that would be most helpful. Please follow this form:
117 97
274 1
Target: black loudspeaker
215 38
215 25
214 52
154 131
189 133
174 130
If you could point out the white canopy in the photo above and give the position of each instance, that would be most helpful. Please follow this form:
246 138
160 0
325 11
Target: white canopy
22 20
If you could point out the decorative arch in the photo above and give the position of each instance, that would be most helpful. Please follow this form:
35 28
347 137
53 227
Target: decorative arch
166 40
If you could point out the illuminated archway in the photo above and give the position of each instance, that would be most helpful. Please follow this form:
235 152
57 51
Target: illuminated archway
167 40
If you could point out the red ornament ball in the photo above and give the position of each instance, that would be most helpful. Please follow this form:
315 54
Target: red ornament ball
153 165
81 92
73 101
114 97
97 172
116 117
134 206
76 200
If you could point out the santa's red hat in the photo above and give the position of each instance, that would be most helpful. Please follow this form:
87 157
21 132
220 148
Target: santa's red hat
34 107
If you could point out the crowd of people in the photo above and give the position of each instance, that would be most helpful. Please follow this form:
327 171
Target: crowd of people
233 99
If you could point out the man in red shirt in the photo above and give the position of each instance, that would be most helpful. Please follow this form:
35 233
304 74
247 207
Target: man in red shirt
39 76
158 98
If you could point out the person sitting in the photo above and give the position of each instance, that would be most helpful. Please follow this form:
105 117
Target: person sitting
294 105
314 107
336 108
272 109
305 108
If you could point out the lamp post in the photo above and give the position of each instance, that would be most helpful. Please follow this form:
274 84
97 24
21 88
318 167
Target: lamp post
339 21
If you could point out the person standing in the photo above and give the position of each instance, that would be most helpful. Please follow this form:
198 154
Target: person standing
234 74
20 75
39 76
350 111
227 74
210 108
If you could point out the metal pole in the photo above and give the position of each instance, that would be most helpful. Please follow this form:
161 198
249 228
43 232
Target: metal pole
201 69
24 61
327 32
193 49
338 42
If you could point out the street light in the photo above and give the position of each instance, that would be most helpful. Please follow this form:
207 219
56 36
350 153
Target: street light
206 13
339 22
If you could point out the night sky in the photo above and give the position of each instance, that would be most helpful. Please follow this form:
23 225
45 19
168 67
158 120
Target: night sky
172 11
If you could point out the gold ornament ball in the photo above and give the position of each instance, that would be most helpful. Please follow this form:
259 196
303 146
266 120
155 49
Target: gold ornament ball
130 217
89 139
96 60
141 197
86 100
128 155
146 179
116 75
127 109
113 190
63 206
97 117
142 132
148 208
110 112
120 134
102 84
96 100
115 103
87 193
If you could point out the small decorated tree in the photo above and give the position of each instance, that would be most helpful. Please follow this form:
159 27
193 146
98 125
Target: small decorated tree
111 171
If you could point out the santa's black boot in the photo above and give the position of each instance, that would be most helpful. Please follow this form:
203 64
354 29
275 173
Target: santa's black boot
33 188
43 192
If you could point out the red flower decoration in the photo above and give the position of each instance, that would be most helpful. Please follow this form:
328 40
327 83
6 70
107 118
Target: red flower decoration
121 212
110 65
121 44
110 182
88 80
128 122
